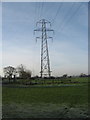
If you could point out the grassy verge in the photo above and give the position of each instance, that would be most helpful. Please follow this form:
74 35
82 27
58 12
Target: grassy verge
47 110
44 102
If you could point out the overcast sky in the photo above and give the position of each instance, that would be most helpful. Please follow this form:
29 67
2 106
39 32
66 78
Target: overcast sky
69 49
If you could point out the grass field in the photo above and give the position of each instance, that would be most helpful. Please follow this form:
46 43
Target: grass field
62 80
45 102
71 95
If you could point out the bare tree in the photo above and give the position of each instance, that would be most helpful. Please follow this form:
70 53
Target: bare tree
28 73
9 72
23 72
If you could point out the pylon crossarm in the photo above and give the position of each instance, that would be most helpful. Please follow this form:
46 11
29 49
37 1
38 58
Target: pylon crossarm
38 30
45 30
37 38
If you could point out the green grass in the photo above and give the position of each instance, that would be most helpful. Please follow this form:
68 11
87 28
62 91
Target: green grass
45 102
59 81
80 79
76 80
56 95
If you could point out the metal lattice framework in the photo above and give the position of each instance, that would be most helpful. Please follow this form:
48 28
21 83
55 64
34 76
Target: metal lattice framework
45 61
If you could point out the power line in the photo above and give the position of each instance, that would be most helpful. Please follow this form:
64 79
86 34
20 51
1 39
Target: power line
71 16
38 10
41 9
58 10
41 4
35 17
62 22
45 10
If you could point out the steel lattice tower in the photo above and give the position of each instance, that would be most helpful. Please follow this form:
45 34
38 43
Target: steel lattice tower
45 61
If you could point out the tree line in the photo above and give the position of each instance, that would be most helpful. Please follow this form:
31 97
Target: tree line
12 73
21 72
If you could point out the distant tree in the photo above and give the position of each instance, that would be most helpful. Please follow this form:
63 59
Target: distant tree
88 75
65 75
23 72
0 77
9 72
36 76
52 77
27 73
83 75
69 76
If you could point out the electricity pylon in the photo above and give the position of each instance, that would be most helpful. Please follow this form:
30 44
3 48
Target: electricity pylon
45 61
